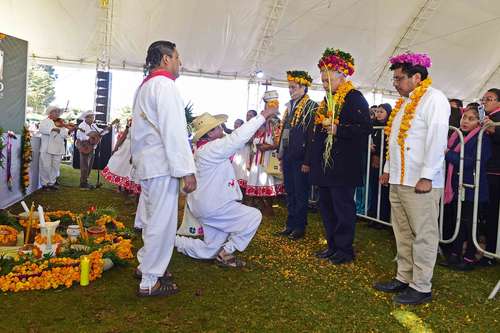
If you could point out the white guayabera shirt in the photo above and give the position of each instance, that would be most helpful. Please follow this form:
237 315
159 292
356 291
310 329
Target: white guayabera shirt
426 142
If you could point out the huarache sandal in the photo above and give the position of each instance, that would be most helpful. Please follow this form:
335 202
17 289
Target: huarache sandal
167 276
229 261
161 288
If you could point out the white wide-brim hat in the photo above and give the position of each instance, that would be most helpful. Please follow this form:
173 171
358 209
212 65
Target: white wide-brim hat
205 123
88 113
52 108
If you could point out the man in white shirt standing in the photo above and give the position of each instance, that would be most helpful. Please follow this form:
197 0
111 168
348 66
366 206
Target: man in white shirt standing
87 149
417 137
161 156
228 225
52 148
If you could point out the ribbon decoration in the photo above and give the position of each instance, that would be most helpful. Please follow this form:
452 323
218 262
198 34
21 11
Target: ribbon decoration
10 136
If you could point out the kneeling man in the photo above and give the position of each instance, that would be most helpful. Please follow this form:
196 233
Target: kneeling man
228 225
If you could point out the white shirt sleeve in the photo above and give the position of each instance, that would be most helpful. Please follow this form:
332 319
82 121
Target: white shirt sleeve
80 135
437 119
173 129
46 126
222 149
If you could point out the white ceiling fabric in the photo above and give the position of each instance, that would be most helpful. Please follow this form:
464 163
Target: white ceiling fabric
221 36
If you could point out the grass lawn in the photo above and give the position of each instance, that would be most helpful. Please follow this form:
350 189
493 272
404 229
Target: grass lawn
284 289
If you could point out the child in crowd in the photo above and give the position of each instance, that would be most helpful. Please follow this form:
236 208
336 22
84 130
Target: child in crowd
470 126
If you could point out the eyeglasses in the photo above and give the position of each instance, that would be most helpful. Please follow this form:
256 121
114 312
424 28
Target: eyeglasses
398 79
489 99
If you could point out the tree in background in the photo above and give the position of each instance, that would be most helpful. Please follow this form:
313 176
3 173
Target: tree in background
124 114
41 87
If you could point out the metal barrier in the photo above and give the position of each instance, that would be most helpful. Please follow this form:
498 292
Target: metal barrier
476 206
367 182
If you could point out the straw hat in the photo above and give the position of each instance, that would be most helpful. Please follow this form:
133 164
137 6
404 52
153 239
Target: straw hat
205 123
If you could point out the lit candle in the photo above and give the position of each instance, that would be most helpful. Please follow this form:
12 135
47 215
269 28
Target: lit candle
84 270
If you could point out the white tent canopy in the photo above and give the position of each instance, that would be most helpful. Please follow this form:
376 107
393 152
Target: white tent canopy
234 38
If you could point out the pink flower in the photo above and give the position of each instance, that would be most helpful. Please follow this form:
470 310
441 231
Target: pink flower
420 59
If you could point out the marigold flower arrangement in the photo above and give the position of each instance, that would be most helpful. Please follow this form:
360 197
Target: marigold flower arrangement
300 77
8 235
338 61
27 273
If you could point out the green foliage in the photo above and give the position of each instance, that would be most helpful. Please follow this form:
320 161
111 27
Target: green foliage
124 114
41 87
8 219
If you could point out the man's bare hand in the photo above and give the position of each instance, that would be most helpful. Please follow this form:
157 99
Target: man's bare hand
269 112
491 129
189 183
305 168
423 186
384 179
332 129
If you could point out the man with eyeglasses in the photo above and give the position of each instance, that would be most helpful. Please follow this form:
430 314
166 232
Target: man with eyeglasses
417 138
491 104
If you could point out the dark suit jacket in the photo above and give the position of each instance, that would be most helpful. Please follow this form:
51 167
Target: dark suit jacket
298 137
350 143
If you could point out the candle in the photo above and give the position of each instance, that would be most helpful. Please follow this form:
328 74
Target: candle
25 207
41 218
84 270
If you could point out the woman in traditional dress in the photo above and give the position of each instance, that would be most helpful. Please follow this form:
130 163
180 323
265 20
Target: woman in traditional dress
260 184
119 166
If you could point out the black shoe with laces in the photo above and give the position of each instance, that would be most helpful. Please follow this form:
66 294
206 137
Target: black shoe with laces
410 296
391 286
324 254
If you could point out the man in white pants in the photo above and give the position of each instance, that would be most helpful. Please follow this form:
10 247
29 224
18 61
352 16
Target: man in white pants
52 148
228 225
161 155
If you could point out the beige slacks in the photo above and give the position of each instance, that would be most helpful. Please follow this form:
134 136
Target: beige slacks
414 219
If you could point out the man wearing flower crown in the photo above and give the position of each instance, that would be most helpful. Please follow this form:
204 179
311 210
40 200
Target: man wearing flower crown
297 122
417 137
342 125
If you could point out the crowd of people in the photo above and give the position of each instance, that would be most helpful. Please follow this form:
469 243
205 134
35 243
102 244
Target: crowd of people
321 144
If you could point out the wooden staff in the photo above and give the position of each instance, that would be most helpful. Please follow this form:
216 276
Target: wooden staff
82 229
30 221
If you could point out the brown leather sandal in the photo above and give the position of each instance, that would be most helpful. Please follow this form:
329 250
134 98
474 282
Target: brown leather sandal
230 261
161 288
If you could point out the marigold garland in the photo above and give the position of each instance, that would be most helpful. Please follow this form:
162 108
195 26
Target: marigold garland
409 114
26 159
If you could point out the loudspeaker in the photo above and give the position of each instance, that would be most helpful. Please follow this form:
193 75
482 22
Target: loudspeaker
103 96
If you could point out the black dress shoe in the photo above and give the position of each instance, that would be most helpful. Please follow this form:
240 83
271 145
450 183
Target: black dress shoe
340 259
284 232
324 254
411 296
451 260
296 235
390 287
